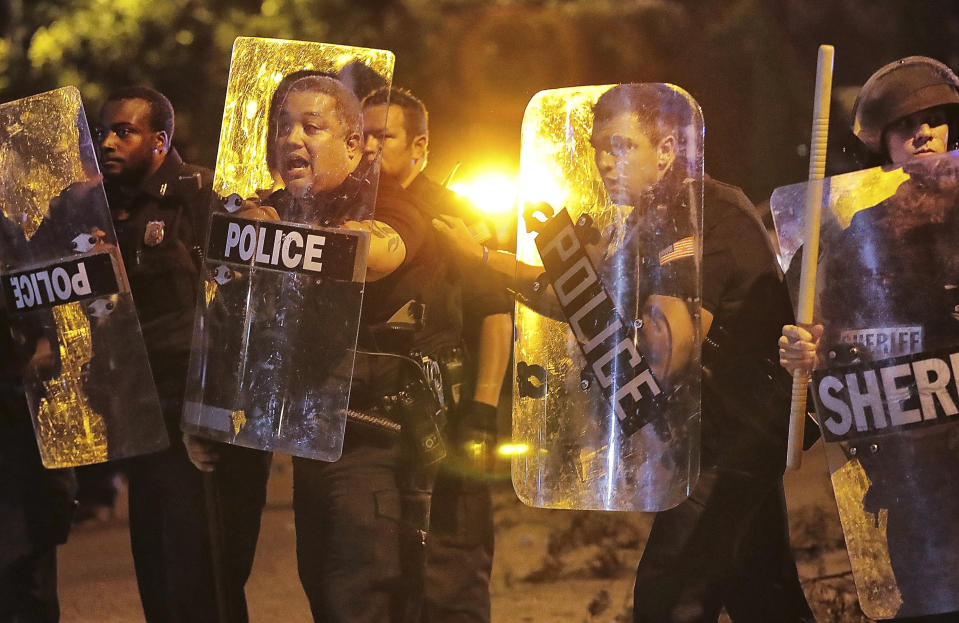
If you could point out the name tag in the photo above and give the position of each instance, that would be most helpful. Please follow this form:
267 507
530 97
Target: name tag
284 247
90 276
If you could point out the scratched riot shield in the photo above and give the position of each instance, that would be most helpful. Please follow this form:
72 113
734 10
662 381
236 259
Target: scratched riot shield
885 387
80 351
275 336
606 406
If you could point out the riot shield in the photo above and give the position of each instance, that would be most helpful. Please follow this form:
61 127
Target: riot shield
275 336
606 400
81 354
885 387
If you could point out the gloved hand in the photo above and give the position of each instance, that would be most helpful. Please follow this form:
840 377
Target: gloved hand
476 435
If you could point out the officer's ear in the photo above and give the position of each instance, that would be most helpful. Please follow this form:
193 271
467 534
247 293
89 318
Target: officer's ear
666 152
354 145
420 148
161 142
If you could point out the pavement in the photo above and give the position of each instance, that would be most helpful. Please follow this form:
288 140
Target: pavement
97 582
98 585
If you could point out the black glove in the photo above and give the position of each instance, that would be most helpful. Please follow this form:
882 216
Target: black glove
476 435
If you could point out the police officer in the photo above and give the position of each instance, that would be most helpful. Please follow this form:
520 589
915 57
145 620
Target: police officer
460 547
726 546
907 109
904 111
36 504
359 517
159 206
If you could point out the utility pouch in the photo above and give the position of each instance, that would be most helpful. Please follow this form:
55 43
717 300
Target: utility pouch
421 404
422 414
454 369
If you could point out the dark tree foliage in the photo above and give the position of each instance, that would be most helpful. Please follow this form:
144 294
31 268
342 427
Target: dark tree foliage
750 63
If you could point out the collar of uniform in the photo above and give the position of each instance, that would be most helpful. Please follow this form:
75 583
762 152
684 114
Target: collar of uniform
419 184
156 184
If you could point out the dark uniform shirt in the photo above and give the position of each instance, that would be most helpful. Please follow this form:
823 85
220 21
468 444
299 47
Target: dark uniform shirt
657 255
160 227
744 426
425 276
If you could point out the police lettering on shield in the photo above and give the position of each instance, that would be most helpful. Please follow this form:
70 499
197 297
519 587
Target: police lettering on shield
283 247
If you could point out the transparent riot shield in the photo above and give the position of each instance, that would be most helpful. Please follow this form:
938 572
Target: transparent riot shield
275 336
885 387
81 356
606 401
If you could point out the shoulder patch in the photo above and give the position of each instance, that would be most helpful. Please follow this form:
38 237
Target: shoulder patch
685 247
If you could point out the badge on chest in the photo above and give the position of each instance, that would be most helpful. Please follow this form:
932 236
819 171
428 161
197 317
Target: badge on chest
154 232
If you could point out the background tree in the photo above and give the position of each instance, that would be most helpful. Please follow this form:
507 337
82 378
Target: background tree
750 63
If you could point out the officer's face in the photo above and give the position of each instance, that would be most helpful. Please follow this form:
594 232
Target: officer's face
924 133
387 132
315 151
128 146
628 162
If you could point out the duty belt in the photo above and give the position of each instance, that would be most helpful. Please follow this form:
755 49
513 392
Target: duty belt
417 410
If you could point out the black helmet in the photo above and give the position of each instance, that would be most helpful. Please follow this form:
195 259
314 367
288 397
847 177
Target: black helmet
899 89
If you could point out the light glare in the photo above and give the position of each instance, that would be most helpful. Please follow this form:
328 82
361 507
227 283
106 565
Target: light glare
513 449
494 193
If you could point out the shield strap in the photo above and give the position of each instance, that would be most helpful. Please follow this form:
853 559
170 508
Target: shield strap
612 355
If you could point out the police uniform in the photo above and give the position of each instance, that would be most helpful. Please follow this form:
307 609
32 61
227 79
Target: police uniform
358 518
36 506
364 561
727 545
160 228
460 548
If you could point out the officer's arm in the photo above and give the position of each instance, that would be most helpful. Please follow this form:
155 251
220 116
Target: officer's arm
706 320
477 429
668 337
495 340
387 249
523 275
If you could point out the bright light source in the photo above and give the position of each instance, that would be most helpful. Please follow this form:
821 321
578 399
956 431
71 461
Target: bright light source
512 449
493 192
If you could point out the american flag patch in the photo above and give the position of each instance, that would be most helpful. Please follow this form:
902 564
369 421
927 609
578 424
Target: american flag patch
678 250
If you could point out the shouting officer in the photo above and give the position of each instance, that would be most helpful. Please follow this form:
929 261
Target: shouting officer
727 545
461 536
360 516
159 206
